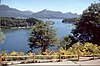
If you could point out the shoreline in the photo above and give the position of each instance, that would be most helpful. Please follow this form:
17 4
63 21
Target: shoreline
15 28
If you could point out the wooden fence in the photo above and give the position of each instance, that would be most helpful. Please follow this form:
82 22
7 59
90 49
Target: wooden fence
45 57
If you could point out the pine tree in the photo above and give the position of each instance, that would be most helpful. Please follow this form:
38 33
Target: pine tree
88 28
42 36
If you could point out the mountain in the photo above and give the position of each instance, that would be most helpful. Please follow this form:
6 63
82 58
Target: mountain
54 14
6 11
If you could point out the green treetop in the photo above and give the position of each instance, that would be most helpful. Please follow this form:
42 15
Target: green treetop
42 36
88 28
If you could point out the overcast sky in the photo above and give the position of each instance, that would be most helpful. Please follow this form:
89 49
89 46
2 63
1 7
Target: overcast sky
74 6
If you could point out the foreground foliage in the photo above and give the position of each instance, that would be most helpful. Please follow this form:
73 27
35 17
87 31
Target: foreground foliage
77 49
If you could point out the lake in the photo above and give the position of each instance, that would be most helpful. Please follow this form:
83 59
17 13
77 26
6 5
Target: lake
16 40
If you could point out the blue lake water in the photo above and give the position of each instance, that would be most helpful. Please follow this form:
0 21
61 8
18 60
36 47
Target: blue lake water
16 40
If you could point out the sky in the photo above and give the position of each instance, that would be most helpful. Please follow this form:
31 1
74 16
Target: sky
74 6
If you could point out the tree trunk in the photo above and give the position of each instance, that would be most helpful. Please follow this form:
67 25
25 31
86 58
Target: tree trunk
43 49
68 45
59 57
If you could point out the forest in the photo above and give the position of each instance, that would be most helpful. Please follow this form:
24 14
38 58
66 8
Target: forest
11 22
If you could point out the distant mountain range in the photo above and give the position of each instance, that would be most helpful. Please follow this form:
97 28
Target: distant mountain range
6 11
54 14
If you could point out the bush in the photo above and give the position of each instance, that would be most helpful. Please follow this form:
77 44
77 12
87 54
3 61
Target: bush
13 53
84 49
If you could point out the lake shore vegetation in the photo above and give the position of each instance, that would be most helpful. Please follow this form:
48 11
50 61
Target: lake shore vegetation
15 23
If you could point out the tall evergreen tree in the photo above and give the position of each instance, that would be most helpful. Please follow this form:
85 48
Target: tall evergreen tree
42 36
88 28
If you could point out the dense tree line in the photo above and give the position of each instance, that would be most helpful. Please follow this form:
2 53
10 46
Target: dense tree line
10 22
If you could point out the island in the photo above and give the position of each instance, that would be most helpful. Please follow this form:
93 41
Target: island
70 20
